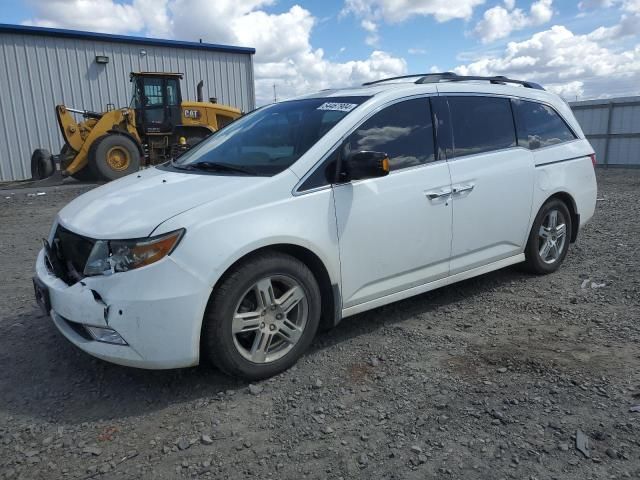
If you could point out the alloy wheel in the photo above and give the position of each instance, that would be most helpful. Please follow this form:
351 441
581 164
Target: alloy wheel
270 319
552 236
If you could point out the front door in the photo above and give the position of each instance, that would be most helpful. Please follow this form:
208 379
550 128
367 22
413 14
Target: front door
395 231
491 180
158 104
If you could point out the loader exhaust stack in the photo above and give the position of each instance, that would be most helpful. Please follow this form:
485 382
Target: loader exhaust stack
199 96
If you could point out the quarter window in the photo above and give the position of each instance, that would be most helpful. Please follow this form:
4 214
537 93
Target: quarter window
539 125
404 131
481 124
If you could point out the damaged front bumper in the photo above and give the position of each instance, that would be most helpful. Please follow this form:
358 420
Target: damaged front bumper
147 318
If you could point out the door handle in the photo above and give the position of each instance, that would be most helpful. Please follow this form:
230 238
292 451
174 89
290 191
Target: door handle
439 194
463 188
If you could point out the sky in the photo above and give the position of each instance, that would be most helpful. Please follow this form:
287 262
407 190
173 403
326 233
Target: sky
578 49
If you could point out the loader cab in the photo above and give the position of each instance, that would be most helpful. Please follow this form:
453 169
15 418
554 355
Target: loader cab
156 101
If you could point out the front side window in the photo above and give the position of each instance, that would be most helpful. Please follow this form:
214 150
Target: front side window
404 131
539 125
269 140
481 124
153 91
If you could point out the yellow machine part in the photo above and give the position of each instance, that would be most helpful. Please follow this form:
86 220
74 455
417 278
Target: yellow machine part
209 115
80 136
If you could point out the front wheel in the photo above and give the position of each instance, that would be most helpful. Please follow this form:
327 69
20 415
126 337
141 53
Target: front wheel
262 317
549 238
113 156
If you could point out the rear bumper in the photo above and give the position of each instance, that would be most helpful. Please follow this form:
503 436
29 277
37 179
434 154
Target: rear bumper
157 310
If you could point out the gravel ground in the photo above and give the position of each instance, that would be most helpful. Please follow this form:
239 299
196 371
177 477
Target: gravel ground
502 376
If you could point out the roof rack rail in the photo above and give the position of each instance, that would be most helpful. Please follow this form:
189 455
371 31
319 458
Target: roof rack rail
453 77
394 78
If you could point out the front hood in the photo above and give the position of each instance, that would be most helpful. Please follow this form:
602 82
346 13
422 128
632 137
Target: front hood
133 206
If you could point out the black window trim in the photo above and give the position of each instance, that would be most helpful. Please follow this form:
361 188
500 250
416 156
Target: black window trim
478 94
564 120
510 97
296 189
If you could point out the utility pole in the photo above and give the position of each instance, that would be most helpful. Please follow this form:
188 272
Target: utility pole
275 97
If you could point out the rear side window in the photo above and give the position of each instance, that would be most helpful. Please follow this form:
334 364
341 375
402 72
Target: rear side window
404 131
539 125
481 124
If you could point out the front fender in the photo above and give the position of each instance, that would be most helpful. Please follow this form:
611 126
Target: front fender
220 233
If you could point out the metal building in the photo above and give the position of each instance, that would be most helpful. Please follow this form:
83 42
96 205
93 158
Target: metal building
43 67
613 128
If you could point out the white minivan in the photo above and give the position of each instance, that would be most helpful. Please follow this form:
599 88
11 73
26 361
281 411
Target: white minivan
308 211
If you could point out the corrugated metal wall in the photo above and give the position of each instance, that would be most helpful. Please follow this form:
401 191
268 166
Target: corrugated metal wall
613 128
39 72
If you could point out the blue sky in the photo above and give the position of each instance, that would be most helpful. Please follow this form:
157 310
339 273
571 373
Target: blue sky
579 49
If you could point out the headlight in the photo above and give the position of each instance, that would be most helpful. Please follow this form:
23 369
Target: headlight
111 256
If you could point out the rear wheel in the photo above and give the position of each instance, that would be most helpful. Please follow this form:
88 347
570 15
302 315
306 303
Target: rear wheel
549 238
42 164
262 317
114 156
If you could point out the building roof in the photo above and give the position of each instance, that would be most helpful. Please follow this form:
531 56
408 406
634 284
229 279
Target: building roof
626 101
106 37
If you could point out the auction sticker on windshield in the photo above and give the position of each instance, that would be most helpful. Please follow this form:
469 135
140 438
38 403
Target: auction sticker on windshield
338 107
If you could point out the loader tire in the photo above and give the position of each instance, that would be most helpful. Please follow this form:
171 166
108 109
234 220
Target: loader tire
42 164
113 156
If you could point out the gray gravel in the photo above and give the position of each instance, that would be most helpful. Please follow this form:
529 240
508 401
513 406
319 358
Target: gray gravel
502 376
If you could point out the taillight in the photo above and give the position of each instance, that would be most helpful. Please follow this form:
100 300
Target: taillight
593 159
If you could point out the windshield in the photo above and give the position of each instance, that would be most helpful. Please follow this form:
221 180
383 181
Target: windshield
270 139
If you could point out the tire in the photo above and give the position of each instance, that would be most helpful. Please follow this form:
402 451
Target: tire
548 242
236 346
113 156
42 164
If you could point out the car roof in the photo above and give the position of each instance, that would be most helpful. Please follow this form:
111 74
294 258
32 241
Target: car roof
446 82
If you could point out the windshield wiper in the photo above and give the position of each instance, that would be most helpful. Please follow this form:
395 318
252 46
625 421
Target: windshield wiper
179 166
220 167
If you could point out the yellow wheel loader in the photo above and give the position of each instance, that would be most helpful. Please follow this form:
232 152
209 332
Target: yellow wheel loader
156 127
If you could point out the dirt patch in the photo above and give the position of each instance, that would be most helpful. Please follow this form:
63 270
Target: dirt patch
488 378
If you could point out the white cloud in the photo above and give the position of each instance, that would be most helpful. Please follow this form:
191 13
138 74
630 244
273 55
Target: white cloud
284 55
571 90
632 6
593 64
372 28
394 11
559 58
587 4
95 15
373 12
498 22
629 25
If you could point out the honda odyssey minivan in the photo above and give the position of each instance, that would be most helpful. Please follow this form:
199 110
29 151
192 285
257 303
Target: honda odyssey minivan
308 211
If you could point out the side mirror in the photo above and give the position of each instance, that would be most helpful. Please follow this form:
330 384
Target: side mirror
365 164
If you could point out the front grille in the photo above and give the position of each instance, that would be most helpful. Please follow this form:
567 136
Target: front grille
72 251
